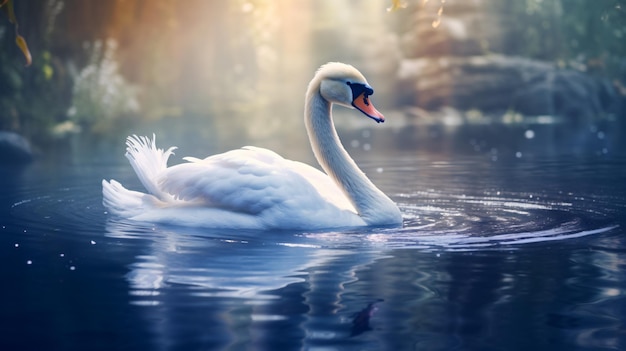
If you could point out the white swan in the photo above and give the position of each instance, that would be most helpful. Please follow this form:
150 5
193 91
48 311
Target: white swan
256 188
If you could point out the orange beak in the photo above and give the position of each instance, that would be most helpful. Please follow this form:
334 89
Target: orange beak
363 104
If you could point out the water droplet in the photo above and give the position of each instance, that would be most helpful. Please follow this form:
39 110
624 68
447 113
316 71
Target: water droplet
62 255
518 154
355 143
93 242
367 147
72 268
529 134
29 262
600 135
17 245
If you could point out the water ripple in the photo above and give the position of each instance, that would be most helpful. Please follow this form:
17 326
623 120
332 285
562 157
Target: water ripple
445 205
432 220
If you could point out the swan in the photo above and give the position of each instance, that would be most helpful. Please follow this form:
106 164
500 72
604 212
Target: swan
255 188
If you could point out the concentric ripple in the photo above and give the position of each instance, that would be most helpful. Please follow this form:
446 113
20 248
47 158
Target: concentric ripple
470 206
75 209
474 222
444 207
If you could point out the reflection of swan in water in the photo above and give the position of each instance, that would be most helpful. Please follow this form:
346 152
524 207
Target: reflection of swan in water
236 282
226 263
256 188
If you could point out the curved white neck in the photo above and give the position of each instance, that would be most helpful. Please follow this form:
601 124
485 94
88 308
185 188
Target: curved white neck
371 203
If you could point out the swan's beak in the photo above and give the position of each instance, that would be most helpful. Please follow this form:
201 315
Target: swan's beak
363 104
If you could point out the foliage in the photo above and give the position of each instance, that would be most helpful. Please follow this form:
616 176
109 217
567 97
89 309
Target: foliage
232 58
7 6
101 96
32 100
569 31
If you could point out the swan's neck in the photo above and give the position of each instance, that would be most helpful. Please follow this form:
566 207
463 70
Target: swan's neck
371 203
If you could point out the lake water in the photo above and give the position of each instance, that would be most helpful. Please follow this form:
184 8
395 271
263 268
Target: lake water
513 239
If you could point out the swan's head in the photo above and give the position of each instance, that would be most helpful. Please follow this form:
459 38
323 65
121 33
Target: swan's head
344 85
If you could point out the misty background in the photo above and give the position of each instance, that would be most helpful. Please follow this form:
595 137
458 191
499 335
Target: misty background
231 73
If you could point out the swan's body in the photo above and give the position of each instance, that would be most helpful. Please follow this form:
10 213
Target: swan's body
256 188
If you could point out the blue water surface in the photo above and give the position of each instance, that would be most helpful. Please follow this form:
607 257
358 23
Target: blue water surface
509 243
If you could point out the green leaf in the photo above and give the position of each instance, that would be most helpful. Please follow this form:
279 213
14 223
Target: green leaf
48 71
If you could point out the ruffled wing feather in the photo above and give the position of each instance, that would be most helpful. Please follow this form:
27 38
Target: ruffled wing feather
252 180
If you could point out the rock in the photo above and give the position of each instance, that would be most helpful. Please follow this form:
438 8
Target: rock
14 149
497 83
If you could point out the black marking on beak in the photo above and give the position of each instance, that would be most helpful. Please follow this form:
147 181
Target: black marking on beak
360 88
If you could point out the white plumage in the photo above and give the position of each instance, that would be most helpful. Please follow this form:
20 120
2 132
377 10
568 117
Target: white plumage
256 188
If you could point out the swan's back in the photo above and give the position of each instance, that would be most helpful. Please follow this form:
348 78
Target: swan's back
251 180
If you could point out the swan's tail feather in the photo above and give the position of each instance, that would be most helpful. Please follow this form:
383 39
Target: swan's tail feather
148 161
123 202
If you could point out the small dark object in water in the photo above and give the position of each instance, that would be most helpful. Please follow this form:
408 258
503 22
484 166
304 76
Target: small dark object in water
361 320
